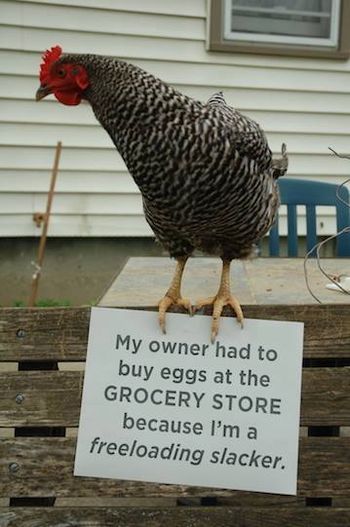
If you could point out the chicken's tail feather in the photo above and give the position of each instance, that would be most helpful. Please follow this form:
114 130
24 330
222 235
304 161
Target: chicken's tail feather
280 165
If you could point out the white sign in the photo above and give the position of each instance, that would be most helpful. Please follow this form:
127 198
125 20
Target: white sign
175 408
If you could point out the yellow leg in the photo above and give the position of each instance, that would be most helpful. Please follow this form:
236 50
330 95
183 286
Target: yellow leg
222 298
173 295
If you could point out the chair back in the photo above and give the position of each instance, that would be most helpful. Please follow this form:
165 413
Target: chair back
295 192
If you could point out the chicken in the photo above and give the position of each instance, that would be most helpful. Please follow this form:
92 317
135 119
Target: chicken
205 171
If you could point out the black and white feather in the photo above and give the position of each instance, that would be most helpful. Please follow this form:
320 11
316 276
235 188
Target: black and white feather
205 171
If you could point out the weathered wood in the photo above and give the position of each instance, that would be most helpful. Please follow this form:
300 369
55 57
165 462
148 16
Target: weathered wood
61 334
325 397
44 465
99 501
45 468
234 499
46 219
176 517
43 334
53 398
143 281
46 398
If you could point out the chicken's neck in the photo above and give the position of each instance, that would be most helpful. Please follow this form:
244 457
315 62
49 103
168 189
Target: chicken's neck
147 120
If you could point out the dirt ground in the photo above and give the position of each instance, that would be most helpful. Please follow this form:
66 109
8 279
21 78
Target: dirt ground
74 270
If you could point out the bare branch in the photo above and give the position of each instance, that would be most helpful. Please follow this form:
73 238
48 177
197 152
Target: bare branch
319 245
342 156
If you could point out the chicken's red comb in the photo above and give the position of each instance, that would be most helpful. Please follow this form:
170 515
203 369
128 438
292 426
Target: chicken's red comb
49 57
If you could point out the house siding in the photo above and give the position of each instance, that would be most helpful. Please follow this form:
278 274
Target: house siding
303 102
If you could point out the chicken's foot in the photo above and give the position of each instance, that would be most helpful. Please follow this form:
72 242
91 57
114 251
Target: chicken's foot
173 295
223 298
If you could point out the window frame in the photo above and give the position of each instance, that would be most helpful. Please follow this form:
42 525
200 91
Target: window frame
218 42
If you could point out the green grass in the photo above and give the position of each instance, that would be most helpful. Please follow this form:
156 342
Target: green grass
45 302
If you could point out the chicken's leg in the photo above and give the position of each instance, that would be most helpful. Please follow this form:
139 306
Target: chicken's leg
173 295
222 298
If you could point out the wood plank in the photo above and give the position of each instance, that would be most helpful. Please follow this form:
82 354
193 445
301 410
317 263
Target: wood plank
234 499
49 398
43 134
45 468
331 387
176 517
79 224
282 280
68 203
33 181
60 334
49 334
48 112
257 281
195 8
95 159
53 398
68 18
117 502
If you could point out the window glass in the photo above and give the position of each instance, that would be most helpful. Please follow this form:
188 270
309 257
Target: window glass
313 22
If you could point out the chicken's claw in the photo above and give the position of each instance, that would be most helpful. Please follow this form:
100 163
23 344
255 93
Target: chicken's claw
219 302
168 301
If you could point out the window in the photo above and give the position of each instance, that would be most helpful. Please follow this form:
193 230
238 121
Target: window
292 27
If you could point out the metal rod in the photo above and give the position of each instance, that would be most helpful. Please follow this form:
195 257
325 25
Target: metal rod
42 244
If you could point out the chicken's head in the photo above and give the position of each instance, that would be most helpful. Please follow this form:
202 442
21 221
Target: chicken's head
66 80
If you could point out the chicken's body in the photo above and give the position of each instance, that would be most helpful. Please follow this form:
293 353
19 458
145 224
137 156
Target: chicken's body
205 171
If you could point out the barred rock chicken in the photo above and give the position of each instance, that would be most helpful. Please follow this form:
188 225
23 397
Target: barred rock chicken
205 171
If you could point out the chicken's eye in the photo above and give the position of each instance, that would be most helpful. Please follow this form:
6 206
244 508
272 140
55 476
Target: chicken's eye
61 72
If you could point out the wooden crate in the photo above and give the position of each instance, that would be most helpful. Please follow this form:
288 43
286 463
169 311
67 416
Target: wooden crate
42 354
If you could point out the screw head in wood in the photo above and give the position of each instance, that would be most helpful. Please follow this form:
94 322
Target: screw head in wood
19 398
13 467
21 333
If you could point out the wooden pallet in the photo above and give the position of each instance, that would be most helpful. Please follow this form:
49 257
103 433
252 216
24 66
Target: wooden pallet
42 354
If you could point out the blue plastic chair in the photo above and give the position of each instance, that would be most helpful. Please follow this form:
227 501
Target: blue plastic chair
295 192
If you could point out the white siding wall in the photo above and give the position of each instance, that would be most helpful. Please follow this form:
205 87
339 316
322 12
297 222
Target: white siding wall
304 102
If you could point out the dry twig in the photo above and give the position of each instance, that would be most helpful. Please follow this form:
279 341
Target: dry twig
318 246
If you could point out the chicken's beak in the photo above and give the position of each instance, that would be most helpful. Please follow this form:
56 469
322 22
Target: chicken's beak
42 92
